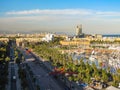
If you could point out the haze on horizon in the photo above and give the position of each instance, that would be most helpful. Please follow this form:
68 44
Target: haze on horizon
96 16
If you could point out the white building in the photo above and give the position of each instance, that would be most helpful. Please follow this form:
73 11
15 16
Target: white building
48 37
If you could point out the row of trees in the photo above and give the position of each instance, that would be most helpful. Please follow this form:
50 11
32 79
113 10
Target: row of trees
3 65
84 70
21 71
22 76
104 42
33 78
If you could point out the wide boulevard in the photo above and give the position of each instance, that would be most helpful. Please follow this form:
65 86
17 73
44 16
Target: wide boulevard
43 79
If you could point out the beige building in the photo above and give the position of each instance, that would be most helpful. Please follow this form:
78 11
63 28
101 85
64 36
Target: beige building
79 30
78 42
4 39
21 40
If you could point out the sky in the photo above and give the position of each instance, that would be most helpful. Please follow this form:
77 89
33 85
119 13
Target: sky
31 16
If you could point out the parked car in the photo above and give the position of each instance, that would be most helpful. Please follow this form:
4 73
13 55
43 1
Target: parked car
14 78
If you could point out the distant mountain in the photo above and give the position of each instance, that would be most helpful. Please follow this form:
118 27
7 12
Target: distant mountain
32 32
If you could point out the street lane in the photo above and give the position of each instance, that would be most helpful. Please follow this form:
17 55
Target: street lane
13 80
13 76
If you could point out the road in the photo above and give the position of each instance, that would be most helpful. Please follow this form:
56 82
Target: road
29 81
41 74
43 78
13 81
48 68
12 68
65 84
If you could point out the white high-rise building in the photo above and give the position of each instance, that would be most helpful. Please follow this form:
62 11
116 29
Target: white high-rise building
79 30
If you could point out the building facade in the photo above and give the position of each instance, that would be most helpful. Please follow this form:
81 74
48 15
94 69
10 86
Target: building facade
79 30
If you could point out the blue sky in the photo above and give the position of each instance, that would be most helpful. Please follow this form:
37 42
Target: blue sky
59 4
96 16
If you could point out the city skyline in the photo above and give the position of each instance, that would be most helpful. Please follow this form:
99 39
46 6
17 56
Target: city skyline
96 16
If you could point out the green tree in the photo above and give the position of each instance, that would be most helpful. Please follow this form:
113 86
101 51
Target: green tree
7 59
104 76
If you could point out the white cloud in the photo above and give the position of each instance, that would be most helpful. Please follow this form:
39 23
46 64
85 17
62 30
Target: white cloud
61 20
52 12
64 12
108 13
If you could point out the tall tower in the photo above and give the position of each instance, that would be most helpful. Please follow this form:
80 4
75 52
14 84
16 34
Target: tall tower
79 30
